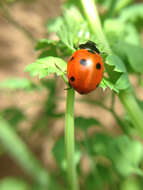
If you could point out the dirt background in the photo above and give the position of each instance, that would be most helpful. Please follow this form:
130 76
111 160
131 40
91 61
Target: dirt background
16 51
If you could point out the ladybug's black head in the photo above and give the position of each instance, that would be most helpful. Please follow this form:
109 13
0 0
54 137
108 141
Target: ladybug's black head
90 46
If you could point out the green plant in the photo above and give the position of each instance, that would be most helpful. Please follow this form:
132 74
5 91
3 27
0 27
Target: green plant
113 161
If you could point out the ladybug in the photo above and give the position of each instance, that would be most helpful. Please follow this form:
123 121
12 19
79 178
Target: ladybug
85 68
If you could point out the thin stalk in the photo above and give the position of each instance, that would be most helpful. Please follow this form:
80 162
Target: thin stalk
18 150
116 117
126 96
134 111
112 101
70 141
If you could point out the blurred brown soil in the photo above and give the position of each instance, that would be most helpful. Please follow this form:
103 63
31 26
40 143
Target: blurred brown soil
16 51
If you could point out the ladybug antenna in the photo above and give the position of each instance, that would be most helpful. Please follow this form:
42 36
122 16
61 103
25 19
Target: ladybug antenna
89 45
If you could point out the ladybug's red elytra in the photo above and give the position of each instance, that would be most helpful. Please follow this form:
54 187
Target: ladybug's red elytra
85 68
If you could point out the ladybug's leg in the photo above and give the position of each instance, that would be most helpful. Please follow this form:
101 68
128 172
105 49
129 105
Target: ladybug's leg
64 75
68 88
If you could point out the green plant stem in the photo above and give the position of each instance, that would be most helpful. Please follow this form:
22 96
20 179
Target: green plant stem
20 153
130 104
70 141
91 14
126 96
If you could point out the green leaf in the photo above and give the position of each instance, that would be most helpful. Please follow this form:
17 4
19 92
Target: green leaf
45 66
71 28
54 24
93 183
116 30
122 4
118 74
132 36
45 43
140 102
100 177
13 183
125 153
132 13
84 123
116 62
53 185
71 3
131 184
52 48
47 47
59 153
133 54
107 83
98 144
13 115
123 82
18 84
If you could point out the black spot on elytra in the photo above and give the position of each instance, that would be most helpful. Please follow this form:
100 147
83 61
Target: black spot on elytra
91 51
83 62
71 58
98 66
72 79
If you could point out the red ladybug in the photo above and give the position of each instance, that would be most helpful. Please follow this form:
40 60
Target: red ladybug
85 68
